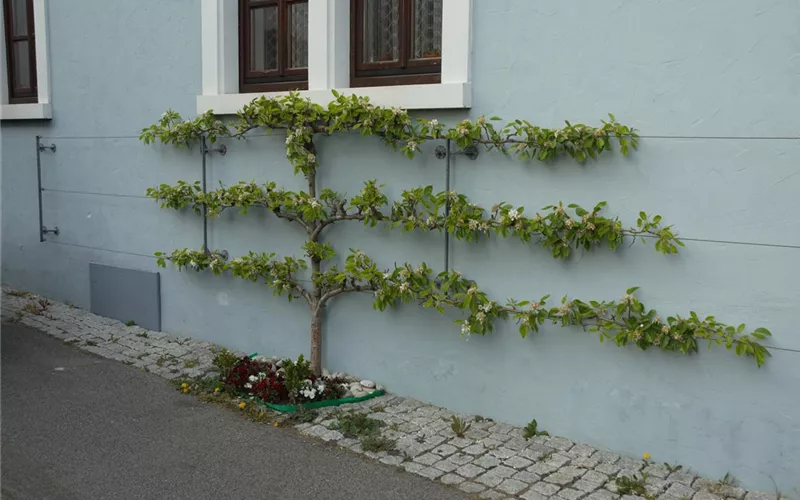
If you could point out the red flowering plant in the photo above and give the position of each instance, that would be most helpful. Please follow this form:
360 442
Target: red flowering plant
282 382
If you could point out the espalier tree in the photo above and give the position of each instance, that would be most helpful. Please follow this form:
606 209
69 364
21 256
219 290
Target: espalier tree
562 229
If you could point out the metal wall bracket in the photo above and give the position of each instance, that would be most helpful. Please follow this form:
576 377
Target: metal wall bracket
221 149
55 230
470 152
42 147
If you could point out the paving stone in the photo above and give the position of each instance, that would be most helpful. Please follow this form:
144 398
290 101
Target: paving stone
607 468
412 466
517 444
632 497
460 442
559 443
527 477
535 452
719 489
444 450
460 459
542 468
607 456
491 444
475 449
559 478
487 461
502 429
587 486
499 437
470 487
489 479
427 459
476 434
392 460
581 451
570 494
680 490
705 495
557 460
632 464
511 486
470 470
546 489
429 472
682 476
451 479
445 466
586 462
657 470
629 473
602 495
656 486
492 495
533 495
503 453
760 496
517 462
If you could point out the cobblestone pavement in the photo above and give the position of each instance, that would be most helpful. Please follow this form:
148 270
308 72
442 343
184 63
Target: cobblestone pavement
491 461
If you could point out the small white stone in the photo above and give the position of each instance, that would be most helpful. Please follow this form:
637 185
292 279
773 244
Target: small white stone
369 384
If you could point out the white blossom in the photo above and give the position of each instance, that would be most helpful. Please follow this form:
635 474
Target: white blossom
481 317
473 224
434 123
404 287
513 214
465 329
487 307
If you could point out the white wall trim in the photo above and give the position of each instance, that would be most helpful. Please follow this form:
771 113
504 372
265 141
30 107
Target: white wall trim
329 59
43 108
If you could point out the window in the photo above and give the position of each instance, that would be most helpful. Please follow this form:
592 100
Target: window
273 46
20 51
395 42
413 54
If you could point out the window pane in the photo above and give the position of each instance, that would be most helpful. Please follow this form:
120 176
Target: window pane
22 67
264 39
298 33
427 28
381 18
20 11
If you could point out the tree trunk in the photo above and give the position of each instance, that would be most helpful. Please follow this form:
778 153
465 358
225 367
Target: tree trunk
316 340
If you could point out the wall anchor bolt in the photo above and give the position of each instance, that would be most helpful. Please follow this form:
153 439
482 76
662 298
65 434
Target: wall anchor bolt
51 147
221 149
55 230
470 152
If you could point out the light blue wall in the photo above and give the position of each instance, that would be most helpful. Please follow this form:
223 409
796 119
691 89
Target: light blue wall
686 68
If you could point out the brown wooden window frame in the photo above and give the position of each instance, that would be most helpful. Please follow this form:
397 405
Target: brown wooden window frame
23 94
282 78
404 71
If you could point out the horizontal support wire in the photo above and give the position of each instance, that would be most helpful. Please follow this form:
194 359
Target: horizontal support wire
99 248
726 242
113 195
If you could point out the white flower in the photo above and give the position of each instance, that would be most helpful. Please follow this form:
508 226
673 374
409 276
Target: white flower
472 290
397 111
386 276
412 145
433 123
473 224
430 221
665 329
465 329
487 307
314 203
481 317
404 287
311 158
248 385
194 264
252 378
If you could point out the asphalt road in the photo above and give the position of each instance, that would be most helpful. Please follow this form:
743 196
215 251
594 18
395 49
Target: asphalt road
78 427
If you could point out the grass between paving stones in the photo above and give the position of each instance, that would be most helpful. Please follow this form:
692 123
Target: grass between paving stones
366 430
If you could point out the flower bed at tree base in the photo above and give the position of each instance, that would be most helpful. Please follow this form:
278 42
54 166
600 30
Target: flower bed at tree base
321 404
286 386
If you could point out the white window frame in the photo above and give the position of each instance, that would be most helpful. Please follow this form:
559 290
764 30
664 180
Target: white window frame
42 109
329 60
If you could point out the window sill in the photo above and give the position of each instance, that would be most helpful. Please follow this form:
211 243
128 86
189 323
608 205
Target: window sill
431 96
32 111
